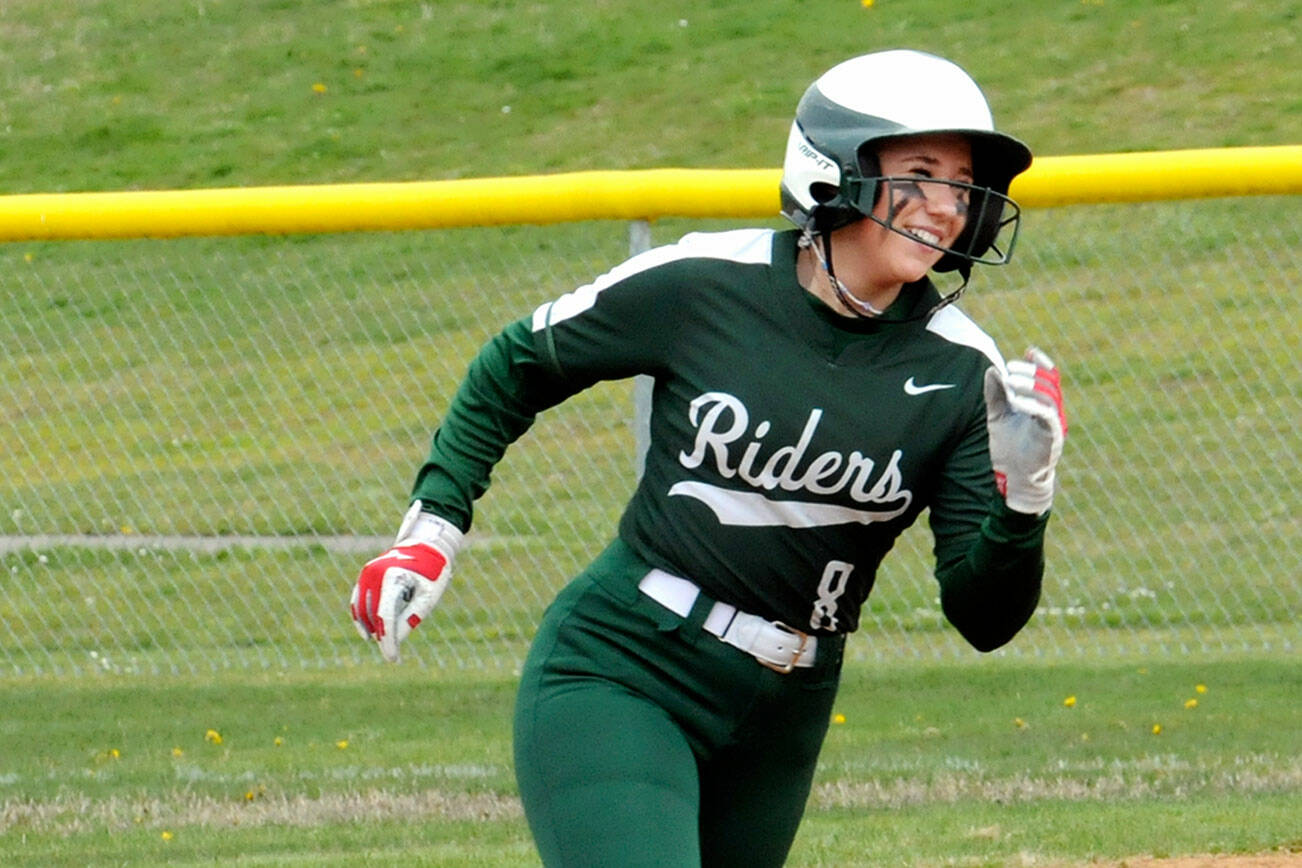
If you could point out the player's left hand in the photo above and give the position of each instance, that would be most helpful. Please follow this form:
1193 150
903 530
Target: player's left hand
1027 427
399 589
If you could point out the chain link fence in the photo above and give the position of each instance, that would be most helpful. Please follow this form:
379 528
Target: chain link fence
204 439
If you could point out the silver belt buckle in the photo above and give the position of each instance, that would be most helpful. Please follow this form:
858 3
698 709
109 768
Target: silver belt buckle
795 655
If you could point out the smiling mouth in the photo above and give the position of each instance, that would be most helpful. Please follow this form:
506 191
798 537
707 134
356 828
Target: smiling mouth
924 236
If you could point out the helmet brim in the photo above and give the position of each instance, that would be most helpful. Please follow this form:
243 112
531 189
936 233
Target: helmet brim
997 157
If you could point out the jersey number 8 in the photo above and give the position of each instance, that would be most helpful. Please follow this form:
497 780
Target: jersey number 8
830 587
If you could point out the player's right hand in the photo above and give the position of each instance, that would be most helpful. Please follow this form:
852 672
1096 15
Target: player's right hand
398 589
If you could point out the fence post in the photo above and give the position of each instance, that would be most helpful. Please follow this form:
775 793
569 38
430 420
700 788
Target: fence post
639 241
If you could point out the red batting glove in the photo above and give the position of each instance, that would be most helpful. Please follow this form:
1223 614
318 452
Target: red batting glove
398 590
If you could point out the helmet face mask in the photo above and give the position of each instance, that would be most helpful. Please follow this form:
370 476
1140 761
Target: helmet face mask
993 219
831 174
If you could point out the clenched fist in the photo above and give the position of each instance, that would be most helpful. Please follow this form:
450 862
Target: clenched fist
398 590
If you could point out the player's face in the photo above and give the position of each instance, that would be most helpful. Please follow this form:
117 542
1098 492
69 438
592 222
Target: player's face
918 207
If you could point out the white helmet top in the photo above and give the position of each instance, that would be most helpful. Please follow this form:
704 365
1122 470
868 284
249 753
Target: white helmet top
925 93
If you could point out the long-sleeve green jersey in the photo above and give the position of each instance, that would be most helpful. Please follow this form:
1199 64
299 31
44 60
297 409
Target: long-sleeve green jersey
789 445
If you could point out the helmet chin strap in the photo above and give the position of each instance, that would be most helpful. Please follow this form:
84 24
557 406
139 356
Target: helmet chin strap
858 307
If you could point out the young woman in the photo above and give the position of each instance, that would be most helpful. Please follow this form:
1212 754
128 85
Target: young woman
814 392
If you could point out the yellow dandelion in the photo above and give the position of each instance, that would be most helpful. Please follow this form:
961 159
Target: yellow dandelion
867 4
213 736
838 718
318 88
358 72
1069 702
177 752
1019 723
166 836
115 753
1157 729
1200 688
27 257
249 796
278 741
342 744
1191 703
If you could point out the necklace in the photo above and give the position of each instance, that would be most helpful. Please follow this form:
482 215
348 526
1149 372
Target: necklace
856 306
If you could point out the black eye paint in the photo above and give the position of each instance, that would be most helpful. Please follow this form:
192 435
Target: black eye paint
904 191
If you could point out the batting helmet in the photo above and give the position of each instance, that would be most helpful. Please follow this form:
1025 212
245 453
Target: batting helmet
831 175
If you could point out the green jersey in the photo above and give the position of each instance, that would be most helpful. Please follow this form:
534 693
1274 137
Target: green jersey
789 445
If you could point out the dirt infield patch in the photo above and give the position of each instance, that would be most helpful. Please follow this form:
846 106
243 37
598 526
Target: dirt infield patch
1282 859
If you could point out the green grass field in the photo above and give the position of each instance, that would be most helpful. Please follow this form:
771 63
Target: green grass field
287 386
924 765
202 93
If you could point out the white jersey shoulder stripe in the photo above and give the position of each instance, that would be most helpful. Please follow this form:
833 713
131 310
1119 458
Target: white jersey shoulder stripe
745 246
956 327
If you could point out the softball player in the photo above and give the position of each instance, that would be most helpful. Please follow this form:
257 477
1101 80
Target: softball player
814 392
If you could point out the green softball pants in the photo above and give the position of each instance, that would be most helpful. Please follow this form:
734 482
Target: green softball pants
643 740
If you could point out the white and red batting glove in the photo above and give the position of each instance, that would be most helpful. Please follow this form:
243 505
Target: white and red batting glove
1027 427
398 590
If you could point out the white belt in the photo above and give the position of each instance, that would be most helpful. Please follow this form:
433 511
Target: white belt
772 643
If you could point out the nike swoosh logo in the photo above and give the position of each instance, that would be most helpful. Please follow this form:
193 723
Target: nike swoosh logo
912 388
392 554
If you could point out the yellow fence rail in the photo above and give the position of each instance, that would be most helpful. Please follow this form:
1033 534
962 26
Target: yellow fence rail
600 195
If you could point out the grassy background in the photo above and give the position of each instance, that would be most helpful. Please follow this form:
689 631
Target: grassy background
192 93
930 761
1010 765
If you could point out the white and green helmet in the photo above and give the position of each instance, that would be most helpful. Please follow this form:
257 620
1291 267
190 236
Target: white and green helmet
830 176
